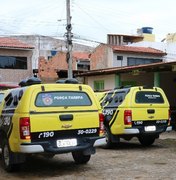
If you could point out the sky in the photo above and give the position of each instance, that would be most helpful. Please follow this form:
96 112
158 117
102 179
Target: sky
91 19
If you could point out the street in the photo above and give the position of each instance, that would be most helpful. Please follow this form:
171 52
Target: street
129 160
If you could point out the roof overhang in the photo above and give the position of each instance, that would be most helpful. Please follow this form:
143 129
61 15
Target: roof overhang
154 67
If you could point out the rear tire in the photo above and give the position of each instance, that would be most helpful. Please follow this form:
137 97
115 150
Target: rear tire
146 140
80 158
8 157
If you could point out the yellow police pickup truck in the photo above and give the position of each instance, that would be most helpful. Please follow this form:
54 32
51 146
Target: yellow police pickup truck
135 112
49 119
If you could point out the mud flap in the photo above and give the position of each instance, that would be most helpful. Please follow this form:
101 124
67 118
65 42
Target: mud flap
18 158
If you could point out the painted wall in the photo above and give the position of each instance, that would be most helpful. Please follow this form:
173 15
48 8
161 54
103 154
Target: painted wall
117 63
109 81
168 47
101 57
16 75
143 79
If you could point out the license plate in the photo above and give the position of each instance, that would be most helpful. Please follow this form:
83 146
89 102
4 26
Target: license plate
66 142
150 128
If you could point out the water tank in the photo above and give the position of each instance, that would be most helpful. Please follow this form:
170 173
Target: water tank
53 53
147 30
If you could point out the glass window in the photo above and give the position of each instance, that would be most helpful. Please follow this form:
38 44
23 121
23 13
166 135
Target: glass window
106 99
117 99
13 98
54 99
9 62
149 97
138 61
99 85
119 58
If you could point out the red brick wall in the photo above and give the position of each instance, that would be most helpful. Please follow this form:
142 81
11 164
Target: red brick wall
99 58
48 68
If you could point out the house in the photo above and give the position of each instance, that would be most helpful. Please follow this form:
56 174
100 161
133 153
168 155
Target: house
134 64
160 74
48 47
15 60
107 56
57 66
118 53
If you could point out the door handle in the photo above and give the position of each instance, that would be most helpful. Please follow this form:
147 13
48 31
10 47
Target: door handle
66 117
150 111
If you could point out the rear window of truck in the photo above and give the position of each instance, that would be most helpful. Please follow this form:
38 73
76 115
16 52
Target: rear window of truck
149 97
117 99
107 97
54 99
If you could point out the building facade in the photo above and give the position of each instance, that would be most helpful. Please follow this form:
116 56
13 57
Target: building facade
57 67
15 60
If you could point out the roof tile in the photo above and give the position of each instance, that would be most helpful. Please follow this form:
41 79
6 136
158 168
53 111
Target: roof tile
148 50
6 42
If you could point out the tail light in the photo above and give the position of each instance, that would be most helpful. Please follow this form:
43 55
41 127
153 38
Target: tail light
127 117
101 121
25 128
169 117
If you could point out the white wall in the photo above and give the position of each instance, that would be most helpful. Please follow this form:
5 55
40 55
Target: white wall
169 48
117 63
109 81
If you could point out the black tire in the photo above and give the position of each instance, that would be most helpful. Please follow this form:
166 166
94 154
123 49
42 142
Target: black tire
109 144
146 140
7 158
80 158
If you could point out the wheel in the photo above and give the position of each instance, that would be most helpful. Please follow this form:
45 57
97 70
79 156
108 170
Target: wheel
7 158
80 158
146 140
109 144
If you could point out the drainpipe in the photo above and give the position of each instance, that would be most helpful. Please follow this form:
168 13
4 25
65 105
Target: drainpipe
117 80
156 79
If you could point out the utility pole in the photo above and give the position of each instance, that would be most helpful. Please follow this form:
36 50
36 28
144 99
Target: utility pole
69 40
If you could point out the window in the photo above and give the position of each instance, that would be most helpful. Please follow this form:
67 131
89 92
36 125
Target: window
107 98
65 98
83 65
117 99
137 61
149 97
99 85
13 98
10 62
119 58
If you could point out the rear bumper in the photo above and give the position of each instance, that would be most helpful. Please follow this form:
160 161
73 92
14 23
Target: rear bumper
131 131
169 128
24 148
51 147
100 142
140 130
